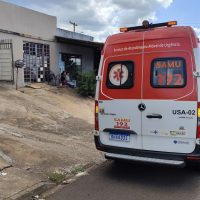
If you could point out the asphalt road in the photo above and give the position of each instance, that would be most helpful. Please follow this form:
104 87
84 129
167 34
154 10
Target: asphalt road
113 181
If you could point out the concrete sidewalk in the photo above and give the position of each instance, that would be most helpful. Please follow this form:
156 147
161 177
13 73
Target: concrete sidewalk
13 181
5 161
43 131
3 164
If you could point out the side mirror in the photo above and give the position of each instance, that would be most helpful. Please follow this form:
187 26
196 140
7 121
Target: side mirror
19 63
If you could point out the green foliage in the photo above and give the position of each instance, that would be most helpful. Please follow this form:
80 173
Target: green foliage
77 169
56 177
86 83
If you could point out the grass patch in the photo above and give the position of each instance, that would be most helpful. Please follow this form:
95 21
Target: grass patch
77 169
56 177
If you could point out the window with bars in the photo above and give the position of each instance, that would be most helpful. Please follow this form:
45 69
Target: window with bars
37 62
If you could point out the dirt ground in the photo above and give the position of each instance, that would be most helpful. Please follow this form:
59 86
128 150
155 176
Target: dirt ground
44 130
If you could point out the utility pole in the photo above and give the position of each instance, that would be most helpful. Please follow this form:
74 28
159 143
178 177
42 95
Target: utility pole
74 25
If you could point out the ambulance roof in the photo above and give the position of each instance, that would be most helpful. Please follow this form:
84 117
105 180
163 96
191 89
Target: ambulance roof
153 33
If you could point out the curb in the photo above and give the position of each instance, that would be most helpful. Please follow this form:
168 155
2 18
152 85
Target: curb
47 188
70 179
32 191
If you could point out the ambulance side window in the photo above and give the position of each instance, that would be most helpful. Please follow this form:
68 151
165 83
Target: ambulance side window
120 75
168 73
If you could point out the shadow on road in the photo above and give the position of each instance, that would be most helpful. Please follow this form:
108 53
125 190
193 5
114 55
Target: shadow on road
154 176
118 181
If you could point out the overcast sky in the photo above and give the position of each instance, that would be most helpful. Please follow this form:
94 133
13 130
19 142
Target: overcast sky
101 18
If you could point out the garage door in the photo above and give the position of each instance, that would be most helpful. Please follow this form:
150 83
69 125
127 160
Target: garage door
6 69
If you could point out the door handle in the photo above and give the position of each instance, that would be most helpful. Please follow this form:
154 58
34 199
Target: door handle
156 116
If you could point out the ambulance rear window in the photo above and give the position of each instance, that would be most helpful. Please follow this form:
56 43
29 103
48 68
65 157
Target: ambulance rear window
120 75
168 73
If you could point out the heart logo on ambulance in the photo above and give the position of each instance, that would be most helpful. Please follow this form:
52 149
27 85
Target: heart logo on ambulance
181 142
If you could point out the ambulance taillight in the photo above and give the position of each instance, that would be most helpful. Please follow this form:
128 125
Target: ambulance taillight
96 116
198 121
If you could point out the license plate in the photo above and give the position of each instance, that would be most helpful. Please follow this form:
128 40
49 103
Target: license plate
119 137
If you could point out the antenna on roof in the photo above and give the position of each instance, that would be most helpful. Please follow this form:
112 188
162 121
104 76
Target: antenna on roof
74 25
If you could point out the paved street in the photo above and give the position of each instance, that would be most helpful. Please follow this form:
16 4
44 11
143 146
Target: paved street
113 181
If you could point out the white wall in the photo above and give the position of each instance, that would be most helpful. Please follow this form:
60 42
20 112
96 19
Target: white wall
23 20
38 28
17 42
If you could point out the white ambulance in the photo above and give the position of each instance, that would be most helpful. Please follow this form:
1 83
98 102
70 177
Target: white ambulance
147 104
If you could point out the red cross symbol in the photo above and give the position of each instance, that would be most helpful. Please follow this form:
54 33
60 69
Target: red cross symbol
118 74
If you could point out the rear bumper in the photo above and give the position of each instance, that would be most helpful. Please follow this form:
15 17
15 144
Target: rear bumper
145 159
147 156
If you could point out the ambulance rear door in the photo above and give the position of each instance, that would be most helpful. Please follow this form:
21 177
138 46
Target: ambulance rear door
169 121
120 95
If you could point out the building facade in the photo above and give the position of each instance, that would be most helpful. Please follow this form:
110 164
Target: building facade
34 37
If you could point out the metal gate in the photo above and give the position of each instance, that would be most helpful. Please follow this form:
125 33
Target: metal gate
6 60
37 62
